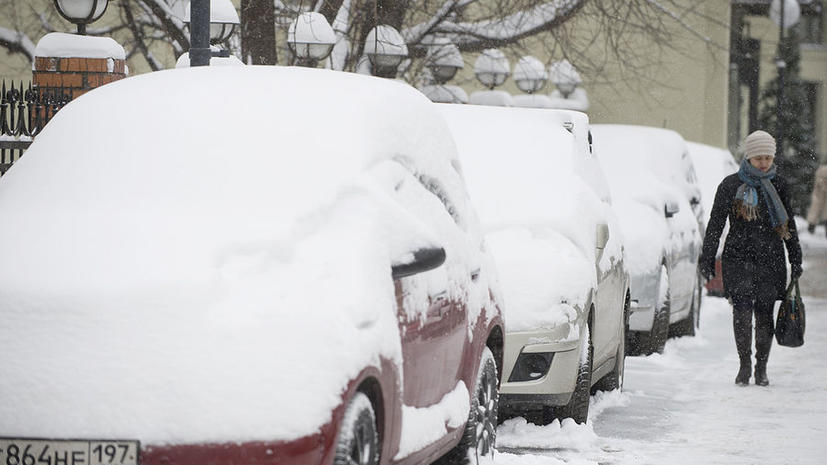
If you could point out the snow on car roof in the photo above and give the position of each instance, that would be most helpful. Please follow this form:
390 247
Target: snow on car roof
214 229
644 167
643 161
210 154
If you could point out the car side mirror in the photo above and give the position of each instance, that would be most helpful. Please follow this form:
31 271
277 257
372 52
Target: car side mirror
601 239
671 208
602 235
423 260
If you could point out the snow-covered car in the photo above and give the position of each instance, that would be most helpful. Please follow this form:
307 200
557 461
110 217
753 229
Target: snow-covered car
712 165
558 255
291 274
646 169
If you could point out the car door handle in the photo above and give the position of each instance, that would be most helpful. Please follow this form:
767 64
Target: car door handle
475 275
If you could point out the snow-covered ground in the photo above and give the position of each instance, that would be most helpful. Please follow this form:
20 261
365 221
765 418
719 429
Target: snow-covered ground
682 406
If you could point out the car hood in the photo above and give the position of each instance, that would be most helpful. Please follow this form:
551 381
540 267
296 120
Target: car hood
542 274
172 341
223 356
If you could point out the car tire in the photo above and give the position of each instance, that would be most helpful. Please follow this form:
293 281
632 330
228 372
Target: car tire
358 439
578 406
614 379
479 437
647 343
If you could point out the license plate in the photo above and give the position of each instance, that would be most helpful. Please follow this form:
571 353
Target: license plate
23 451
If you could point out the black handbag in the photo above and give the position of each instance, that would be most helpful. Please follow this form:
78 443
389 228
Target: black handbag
789 326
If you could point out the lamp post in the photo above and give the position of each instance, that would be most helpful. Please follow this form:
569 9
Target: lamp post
785 13
310 38
385 49
199 33
81 12
211 22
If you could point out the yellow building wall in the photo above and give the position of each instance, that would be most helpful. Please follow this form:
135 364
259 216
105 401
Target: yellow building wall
684 89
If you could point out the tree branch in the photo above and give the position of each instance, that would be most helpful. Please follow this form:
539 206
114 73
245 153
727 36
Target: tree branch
17 42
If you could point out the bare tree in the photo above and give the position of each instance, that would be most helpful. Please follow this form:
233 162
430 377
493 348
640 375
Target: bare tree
572 29
258 32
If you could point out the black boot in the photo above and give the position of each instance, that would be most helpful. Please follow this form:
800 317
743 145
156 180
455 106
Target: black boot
763 343
742 379
811 228
742 326
761 373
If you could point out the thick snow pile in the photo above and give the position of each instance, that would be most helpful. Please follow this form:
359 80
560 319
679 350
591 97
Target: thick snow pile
539 215
181 272
644 171
60 44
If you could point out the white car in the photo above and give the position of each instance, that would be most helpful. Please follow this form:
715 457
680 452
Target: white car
291 274
558 254
653 196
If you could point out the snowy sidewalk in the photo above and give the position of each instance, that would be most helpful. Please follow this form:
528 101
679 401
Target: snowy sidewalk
682 406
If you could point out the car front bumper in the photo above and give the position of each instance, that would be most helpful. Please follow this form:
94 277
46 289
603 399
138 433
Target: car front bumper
557 384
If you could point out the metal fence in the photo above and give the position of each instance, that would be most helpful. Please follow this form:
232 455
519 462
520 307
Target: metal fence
24 111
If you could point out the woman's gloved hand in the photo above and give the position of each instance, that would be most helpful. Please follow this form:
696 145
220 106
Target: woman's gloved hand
796 270
707 270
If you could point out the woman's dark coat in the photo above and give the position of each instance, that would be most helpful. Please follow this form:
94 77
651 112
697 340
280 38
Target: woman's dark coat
753 252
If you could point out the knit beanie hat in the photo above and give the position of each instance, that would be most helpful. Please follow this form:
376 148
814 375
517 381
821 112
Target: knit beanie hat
759 143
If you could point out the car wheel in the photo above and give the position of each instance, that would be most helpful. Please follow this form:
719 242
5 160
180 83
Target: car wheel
614 379
480 433
655 340
358 439
578 407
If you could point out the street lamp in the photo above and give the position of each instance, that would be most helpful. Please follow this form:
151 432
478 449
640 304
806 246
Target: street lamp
310 38
530 74
203 31
491 68
81 12
443 60
784 13
385 49
565 77
223 19
568 93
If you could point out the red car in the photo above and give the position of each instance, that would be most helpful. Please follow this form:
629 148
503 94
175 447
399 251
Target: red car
291 275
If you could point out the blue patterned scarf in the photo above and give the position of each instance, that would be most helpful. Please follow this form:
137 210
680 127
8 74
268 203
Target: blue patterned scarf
746 197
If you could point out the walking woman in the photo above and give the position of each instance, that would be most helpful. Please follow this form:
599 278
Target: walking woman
756 202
